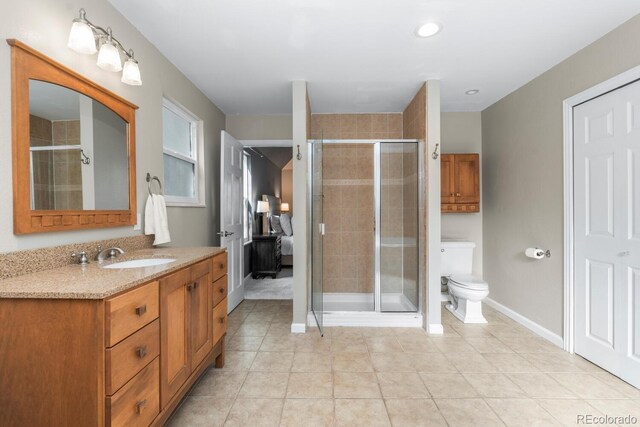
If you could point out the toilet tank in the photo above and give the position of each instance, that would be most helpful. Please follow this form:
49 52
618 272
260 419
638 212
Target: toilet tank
456 257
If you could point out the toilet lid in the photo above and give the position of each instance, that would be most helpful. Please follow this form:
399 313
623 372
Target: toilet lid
469 282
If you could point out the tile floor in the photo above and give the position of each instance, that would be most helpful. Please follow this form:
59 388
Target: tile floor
473 375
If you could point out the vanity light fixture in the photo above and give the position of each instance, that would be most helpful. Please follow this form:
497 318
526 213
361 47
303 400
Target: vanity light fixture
428 30
472 92
85 37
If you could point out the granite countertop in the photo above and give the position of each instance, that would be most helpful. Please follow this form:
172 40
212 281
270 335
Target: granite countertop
94 282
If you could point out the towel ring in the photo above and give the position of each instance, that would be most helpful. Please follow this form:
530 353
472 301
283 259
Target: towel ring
150 179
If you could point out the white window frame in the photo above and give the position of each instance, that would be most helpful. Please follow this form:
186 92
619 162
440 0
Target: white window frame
247 183
197 147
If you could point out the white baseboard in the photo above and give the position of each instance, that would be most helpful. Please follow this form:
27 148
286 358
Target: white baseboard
527 323
436 328
298 328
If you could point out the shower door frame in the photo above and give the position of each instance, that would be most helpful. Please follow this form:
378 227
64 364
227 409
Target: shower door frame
377 291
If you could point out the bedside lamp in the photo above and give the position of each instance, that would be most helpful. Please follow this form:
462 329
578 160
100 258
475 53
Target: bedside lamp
284 207
261 209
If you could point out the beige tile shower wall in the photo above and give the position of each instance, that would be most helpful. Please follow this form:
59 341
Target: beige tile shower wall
356 126
349 218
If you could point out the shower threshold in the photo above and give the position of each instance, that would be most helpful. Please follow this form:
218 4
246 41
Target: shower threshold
369 319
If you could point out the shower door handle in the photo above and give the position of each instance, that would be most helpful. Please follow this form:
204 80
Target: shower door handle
321 228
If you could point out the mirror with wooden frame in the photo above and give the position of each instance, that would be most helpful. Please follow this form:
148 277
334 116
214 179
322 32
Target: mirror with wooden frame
73 148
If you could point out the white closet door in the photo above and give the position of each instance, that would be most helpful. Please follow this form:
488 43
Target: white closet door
607 231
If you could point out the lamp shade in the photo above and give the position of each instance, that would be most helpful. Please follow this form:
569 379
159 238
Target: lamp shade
131 73
263 207
81 38
284 207
109 58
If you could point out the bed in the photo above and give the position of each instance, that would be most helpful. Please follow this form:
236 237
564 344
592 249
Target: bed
286 241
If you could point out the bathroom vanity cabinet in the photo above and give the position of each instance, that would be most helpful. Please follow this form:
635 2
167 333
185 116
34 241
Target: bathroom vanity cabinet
460 183
125 360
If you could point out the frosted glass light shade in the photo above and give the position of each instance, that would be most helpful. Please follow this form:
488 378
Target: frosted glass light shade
131 73
109 58
81 38
263 207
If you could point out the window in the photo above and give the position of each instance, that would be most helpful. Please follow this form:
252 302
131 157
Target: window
183 153
248 223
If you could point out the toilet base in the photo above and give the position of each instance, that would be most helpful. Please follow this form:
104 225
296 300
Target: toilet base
467 311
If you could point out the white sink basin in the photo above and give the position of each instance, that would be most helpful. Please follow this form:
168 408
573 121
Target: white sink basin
139 263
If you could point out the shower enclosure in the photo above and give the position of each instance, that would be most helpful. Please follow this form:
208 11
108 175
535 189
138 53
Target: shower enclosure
364 232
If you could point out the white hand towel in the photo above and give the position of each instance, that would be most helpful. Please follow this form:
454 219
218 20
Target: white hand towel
160 221
149 223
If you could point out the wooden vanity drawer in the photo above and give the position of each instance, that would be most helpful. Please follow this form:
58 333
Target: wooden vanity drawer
219 266
131 311
200 269
219 290
138 402
129 356
219 320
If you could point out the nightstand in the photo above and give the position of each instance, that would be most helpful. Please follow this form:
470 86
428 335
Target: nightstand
266 259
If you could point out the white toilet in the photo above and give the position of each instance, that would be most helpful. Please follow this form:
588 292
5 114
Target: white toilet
466 292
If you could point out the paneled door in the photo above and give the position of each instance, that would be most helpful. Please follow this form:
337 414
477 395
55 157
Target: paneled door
466 176
607 231
232 215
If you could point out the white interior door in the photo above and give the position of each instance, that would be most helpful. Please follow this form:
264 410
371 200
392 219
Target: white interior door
607 231
232 216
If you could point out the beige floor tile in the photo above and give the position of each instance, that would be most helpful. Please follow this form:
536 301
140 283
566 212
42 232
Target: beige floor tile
621 386
348 345
471 330
255 412
264 385
377 332
351 362
448 386
260 317
279 329
471 362
456 345
540 386
521 344
431 362
238 360
488 345
467 413
219 383
510 362
417 344
253 329
401 385
273 361
522 413
587 386
414 413
310 385
361 412
383 344
344 332
361 385
548 362
410 332
308 413
511 330
392 362
311 362
244 343
617 407
313 342
567 411
494 385
201 411
278 343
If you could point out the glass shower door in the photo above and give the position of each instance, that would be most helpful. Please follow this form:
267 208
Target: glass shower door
398 238
317 231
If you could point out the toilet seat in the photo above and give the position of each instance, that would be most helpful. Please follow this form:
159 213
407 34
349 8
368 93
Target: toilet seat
469 282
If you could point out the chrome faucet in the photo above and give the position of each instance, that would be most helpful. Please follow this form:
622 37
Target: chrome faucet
109 253
83 259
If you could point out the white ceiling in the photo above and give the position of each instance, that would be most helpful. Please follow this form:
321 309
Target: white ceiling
362 55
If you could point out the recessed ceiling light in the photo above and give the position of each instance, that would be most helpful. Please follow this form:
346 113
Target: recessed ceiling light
429 29
472 92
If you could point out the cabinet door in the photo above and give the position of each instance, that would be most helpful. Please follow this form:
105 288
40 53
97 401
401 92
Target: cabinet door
467 178
174 329
447 179
200 306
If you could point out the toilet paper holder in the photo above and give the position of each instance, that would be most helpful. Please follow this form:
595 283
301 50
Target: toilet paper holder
537 253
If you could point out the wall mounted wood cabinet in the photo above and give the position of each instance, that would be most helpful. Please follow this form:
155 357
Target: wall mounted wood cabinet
460 183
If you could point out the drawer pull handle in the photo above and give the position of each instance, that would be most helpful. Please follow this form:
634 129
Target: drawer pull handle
195 285
141 351
221 266
189 287
222 320
141 310
222 290
140 404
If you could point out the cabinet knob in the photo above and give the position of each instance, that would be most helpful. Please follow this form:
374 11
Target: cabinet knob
457 194
222 319
222 290
141 351
141 310
221 266
140 404
189 286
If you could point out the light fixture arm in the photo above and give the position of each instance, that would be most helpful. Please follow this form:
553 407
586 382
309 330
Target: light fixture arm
102 33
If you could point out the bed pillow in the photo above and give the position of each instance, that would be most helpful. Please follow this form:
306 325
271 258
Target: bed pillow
285 223
274 221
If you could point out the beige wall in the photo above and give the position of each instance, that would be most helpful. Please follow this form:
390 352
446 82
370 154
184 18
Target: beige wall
45 25
522 176
462 133
260 127
356 126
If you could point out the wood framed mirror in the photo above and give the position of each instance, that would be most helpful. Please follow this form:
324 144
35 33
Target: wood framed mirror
73 148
